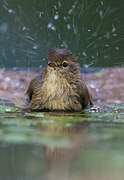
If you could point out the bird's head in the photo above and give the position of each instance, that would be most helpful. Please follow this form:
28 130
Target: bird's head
62 61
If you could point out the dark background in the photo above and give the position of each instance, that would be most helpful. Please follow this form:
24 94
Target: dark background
93 30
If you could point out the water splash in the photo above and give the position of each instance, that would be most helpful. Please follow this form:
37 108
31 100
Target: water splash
79 25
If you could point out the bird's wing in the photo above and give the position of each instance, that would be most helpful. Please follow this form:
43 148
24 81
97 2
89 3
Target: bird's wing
34 85
86 99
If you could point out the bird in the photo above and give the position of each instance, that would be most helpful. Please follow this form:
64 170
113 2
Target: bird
59 86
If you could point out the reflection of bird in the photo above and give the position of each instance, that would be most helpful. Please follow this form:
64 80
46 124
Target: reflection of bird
60 85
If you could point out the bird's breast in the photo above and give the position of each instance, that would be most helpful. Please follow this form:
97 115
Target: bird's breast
57 94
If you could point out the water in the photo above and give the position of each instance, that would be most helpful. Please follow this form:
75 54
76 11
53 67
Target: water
52 146
93 30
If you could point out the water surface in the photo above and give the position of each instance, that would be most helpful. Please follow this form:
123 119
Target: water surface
52 146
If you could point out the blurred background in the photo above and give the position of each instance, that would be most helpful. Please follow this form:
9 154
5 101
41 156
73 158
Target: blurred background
93 30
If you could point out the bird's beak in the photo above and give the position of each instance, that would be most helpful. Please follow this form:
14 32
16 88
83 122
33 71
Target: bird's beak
51 64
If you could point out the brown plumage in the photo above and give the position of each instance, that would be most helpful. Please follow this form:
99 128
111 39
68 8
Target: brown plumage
60 85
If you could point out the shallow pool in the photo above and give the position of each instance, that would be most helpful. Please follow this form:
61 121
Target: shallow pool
62 146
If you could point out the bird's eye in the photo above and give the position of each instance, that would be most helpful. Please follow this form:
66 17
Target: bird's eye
64 64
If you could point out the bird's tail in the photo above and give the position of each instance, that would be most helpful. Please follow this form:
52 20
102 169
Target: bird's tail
20 102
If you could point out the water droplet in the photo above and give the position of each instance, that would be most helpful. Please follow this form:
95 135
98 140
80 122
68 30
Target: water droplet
56 17
35 47
93 57
101 14
24 28
84 54
7 79
65 18
51 26
107 35
59 4
70 11
107 45
97 90
4 27
75 30
86 66
114 34
55 7
113 28
117 48
97 53
64 44
40 14
89 30
29 37
74 5
101 3
92 86
11 11
68 26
